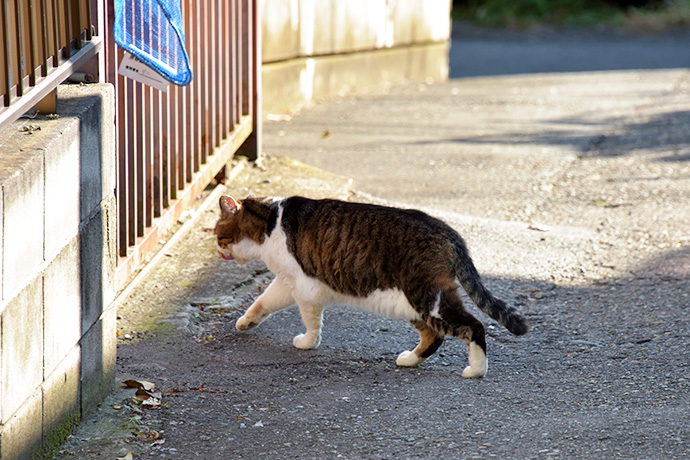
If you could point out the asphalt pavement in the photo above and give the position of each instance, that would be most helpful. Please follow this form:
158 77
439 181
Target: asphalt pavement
571 190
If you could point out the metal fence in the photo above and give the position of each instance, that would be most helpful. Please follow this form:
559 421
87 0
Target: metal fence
42 42
172 144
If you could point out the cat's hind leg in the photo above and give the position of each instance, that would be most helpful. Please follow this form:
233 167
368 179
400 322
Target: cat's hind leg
456 320
429 343
312 317
275 297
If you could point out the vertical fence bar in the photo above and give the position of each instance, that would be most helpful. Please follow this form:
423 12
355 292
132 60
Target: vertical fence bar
203 80
165 150
32 29
65 29
167 139
130 158
247 19
87 21
181 137
18 67
225 54
193 46
56 34
238 60
212 64
232 45
174 141
157 149
44 39
147 148
123 189
181 129
75 29
6 77
255 95
147 154
158 152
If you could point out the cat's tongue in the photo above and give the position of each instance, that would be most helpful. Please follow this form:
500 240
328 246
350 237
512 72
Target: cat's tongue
224 256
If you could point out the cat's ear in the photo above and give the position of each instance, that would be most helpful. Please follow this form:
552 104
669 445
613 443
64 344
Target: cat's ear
228 205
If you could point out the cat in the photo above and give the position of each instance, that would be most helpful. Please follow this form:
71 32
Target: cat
401 263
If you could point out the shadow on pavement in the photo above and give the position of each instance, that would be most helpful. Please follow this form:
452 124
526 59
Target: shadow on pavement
665 132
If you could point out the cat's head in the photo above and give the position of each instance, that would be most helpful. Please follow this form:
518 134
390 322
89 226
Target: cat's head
241 228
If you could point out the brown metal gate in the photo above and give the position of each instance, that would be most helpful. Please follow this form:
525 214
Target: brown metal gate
171 145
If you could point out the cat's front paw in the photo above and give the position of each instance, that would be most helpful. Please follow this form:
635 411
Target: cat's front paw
409 359
306 341
244 323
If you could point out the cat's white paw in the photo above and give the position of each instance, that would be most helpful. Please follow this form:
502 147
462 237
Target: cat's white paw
244 323
409 359
473 373
306 341
478 362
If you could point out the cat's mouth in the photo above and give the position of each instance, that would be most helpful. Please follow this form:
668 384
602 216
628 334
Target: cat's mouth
226 257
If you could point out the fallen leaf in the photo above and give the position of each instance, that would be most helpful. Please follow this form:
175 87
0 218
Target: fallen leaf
144 395
539 227
149 436
148 386
158 442
117 406
128 456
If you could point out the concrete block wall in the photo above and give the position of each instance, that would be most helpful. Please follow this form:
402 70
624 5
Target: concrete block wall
58 255
320 49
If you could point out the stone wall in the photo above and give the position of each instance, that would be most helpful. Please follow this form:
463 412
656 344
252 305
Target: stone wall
320 49
58 226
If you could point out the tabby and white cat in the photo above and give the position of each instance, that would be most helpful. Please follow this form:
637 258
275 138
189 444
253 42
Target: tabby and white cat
400 263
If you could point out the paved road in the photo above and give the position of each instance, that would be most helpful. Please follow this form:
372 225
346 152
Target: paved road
477 52
571 190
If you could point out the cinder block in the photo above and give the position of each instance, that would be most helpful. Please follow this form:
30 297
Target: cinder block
98 260
21 176
61 408
98 348
62 305
61 188
22 347
93 106
20 437
280 36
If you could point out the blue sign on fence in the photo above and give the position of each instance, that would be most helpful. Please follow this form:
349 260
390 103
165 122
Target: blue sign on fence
152 31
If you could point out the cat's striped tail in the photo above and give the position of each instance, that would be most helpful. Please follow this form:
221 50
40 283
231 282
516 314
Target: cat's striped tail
470 280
